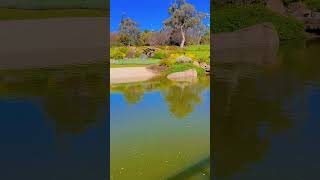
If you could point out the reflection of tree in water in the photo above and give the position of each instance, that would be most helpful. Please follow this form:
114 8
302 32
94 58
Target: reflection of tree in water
181 97
249 106
72 96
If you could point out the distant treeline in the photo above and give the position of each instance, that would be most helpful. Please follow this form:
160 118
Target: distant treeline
54 4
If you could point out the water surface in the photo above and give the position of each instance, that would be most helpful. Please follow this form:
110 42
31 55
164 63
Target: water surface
53 123
266 116
160 129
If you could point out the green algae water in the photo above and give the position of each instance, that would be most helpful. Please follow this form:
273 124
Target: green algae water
160 129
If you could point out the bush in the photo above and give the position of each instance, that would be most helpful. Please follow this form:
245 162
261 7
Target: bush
230 19
116 54
167 62
123 49
160 55
139 52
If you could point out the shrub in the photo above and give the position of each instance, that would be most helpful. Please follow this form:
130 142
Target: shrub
123 49
191 55
167 62
160 55
230 19
116 54
174 56
139 52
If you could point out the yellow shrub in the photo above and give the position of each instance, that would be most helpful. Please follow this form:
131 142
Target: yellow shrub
191 55
167 62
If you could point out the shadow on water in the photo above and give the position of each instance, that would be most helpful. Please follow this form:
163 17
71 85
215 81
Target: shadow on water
258 99
200 167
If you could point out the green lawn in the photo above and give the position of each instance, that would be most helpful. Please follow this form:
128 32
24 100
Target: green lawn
20 14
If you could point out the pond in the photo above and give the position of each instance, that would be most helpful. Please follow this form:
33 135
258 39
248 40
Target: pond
266 117
54 123
160 129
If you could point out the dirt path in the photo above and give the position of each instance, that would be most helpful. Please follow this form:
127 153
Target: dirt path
130 74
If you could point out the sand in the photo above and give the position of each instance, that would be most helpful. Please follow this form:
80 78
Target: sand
130 74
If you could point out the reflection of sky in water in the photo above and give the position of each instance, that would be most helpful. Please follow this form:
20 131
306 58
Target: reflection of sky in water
149 142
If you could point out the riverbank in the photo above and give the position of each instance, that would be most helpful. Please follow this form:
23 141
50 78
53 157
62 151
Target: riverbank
52 42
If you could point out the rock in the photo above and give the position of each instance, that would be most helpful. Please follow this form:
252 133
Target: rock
143 56
277 7
205 66
149 51
299 10
178 76
183 59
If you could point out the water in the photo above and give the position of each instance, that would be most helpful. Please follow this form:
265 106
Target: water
53 123
266 116
160 130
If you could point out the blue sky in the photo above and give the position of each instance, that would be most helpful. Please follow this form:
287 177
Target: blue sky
148 13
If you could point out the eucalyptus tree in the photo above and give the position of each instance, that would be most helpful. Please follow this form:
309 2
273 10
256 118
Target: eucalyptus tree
183 17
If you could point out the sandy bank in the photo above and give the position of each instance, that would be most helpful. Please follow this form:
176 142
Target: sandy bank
49 42
130 74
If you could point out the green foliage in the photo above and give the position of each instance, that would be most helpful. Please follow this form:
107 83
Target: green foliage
129 33
201 52
160 54
183 16
167 62
116 54
230 19
135 61
183 67
312 4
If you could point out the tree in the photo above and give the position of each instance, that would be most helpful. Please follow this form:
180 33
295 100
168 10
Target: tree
129 33
184 17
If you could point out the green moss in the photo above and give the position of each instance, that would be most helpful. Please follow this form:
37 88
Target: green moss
228 19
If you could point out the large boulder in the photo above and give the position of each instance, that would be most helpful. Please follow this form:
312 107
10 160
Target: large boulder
178 76
149 51
205 66
255 44
276 6
183 59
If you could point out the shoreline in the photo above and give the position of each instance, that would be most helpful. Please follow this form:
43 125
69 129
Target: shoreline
130 75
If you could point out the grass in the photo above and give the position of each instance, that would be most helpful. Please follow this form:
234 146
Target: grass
228 19
22 14
183 67
135 61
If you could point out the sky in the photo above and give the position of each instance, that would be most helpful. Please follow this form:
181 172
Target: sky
150 14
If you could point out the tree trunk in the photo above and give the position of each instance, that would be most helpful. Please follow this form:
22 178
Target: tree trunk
183 38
